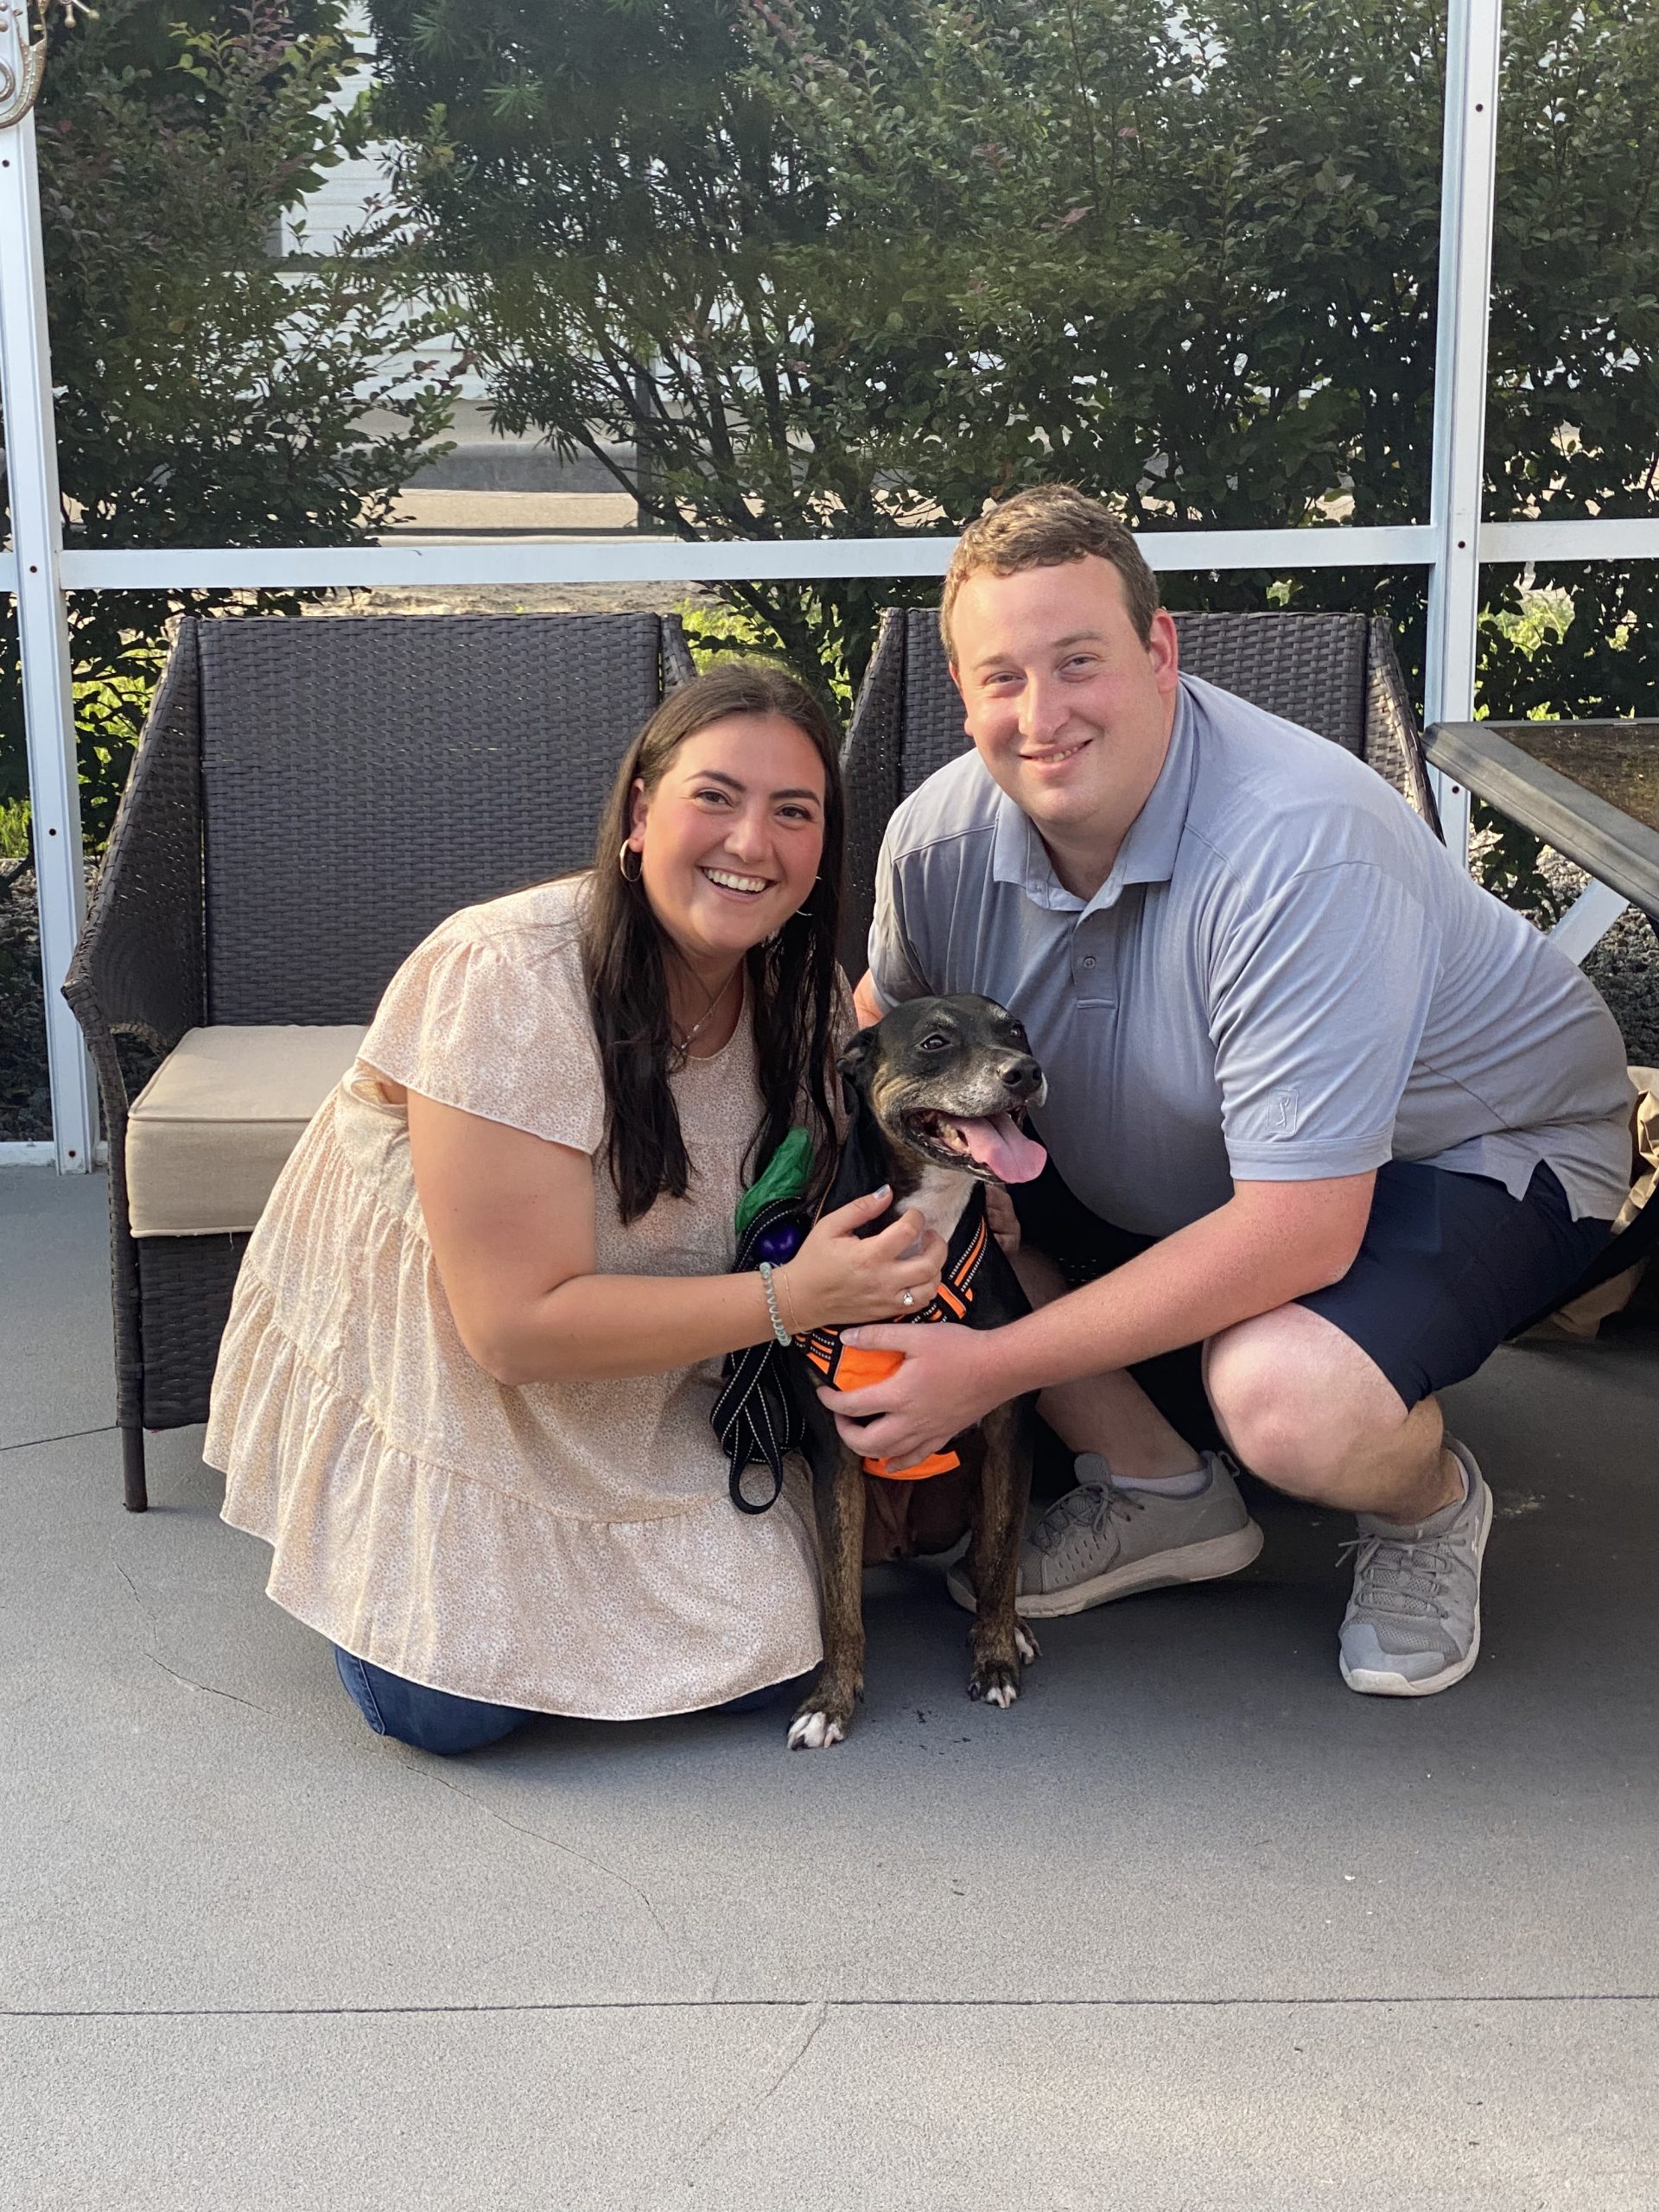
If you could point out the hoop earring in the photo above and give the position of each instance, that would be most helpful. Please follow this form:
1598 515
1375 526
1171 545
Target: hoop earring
622 862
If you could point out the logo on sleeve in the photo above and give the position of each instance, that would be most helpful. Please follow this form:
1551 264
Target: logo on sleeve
1284 1112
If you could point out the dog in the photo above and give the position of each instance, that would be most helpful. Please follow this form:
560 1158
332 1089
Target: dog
938 1090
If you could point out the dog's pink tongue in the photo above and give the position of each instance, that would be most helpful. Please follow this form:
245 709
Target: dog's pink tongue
1002 1146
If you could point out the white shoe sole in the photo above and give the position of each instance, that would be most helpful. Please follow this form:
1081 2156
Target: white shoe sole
1372 1681
1204 1562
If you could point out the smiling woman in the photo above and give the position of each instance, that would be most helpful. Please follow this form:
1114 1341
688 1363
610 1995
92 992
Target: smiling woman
466 1387
728 826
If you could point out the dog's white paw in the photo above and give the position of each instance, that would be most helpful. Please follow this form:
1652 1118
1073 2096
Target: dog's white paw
1026 1644
1002 1693
814 1731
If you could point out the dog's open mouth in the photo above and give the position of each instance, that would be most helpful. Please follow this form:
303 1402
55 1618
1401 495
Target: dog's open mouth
993 1144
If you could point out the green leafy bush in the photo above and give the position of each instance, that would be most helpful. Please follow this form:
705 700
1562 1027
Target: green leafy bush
207 392
838 267
713 630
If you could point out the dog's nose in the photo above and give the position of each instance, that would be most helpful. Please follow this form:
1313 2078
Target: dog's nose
1023 1075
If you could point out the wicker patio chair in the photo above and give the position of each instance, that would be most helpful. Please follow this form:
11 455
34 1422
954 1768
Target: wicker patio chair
1337 674
309 799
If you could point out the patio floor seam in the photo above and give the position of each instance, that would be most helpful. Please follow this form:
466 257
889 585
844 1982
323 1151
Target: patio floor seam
828 2004
105 1428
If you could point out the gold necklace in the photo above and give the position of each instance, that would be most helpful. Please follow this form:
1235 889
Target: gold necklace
680 1052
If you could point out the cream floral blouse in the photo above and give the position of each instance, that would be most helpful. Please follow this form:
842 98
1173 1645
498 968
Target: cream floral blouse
566 1547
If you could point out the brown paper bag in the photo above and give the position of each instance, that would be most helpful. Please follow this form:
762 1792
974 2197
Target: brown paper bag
1581 1319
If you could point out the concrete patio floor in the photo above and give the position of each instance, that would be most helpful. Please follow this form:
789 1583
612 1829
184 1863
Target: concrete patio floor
1192 1927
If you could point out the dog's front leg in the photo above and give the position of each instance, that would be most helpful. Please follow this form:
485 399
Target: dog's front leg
1000 1640
825 1715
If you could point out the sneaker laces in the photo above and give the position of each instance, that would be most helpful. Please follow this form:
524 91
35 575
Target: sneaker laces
1090 1505
1401 1576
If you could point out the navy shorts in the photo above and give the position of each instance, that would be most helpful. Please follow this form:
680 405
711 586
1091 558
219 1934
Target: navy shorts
1450 1267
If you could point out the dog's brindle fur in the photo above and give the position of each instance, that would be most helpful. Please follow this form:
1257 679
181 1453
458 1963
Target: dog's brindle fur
965 1057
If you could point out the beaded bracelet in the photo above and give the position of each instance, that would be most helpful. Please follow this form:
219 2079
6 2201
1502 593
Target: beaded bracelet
778 1328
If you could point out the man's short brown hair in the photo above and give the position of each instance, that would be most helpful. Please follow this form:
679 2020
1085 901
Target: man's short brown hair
1044 528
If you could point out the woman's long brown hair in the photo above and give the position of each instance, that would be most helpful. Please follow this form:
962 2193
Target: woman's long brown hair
792 979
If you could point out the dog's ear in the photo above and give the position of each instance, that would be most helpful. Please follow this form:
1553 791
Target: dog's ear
858 1053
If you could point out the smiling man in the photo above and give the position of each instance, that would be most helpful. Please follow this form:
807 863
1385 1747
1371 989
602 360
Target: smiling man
1324 1119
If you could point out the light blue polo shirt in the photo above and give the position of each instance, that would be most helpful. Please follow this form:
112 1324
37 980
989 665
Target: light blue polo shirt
1285 977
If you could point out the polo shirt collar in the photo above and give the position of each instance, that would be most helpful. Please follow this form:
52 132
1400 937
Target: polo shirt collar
1147 853
1019 857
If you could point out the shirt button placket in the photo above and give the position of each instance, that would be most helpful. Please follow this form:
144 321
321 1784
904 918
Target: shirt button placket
1090 976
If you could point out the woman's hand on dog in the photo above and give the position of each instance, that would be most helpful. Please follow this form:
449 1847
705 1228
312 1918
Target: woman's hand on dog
839 1276
944 1386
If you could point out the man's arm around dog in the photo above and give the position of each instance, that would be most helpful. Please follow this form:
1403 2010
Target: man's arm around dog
1271 1243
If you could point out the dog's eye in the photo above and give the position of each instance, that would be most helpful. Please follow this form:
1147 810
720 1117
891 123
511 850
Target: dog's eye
936 1043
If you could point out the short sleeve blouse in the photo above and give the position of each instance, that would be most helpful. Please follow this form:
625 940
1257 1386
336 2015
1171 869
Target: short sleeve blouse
565 1546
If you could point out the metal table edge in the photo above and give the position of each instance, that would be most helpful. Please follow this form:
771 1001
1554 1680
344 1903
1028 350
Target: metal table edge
1598 836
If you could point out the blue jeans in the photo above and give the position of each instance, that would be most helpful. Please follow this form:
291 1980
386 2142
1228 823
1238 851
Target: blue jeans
434 1721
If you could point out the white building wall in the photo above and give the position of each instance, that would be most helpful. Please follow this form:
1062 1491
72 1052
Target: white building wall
346 201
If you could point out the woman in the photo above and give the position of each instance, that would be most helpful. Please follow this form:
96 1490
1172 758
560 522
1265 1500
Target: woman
465 1389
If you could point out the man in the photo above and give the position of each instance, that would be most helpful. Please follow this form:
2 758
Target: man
1319 1108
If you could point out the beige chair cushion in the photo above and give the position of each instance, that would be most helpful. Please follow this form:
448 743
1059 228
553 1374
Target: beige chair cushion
208 1133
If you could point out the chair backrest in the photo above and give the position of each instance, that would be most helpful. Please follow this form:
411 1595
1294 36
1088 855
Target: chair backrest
1308 668
363 777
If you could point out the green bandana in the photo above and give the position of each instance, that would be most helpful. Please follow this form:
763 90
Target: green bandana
785 1176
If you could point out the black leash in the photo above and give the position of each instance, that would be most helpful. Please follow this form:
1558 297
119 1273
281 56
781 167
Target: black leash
757 1414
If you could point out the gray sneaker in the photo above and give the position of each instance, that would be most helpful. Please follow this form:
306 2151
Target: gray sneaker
1413 1625
1100 1541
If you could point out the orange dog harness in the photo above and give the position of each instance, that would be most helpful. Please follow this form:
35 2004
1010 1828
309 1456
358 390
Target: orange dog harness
844 1367
759 1413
